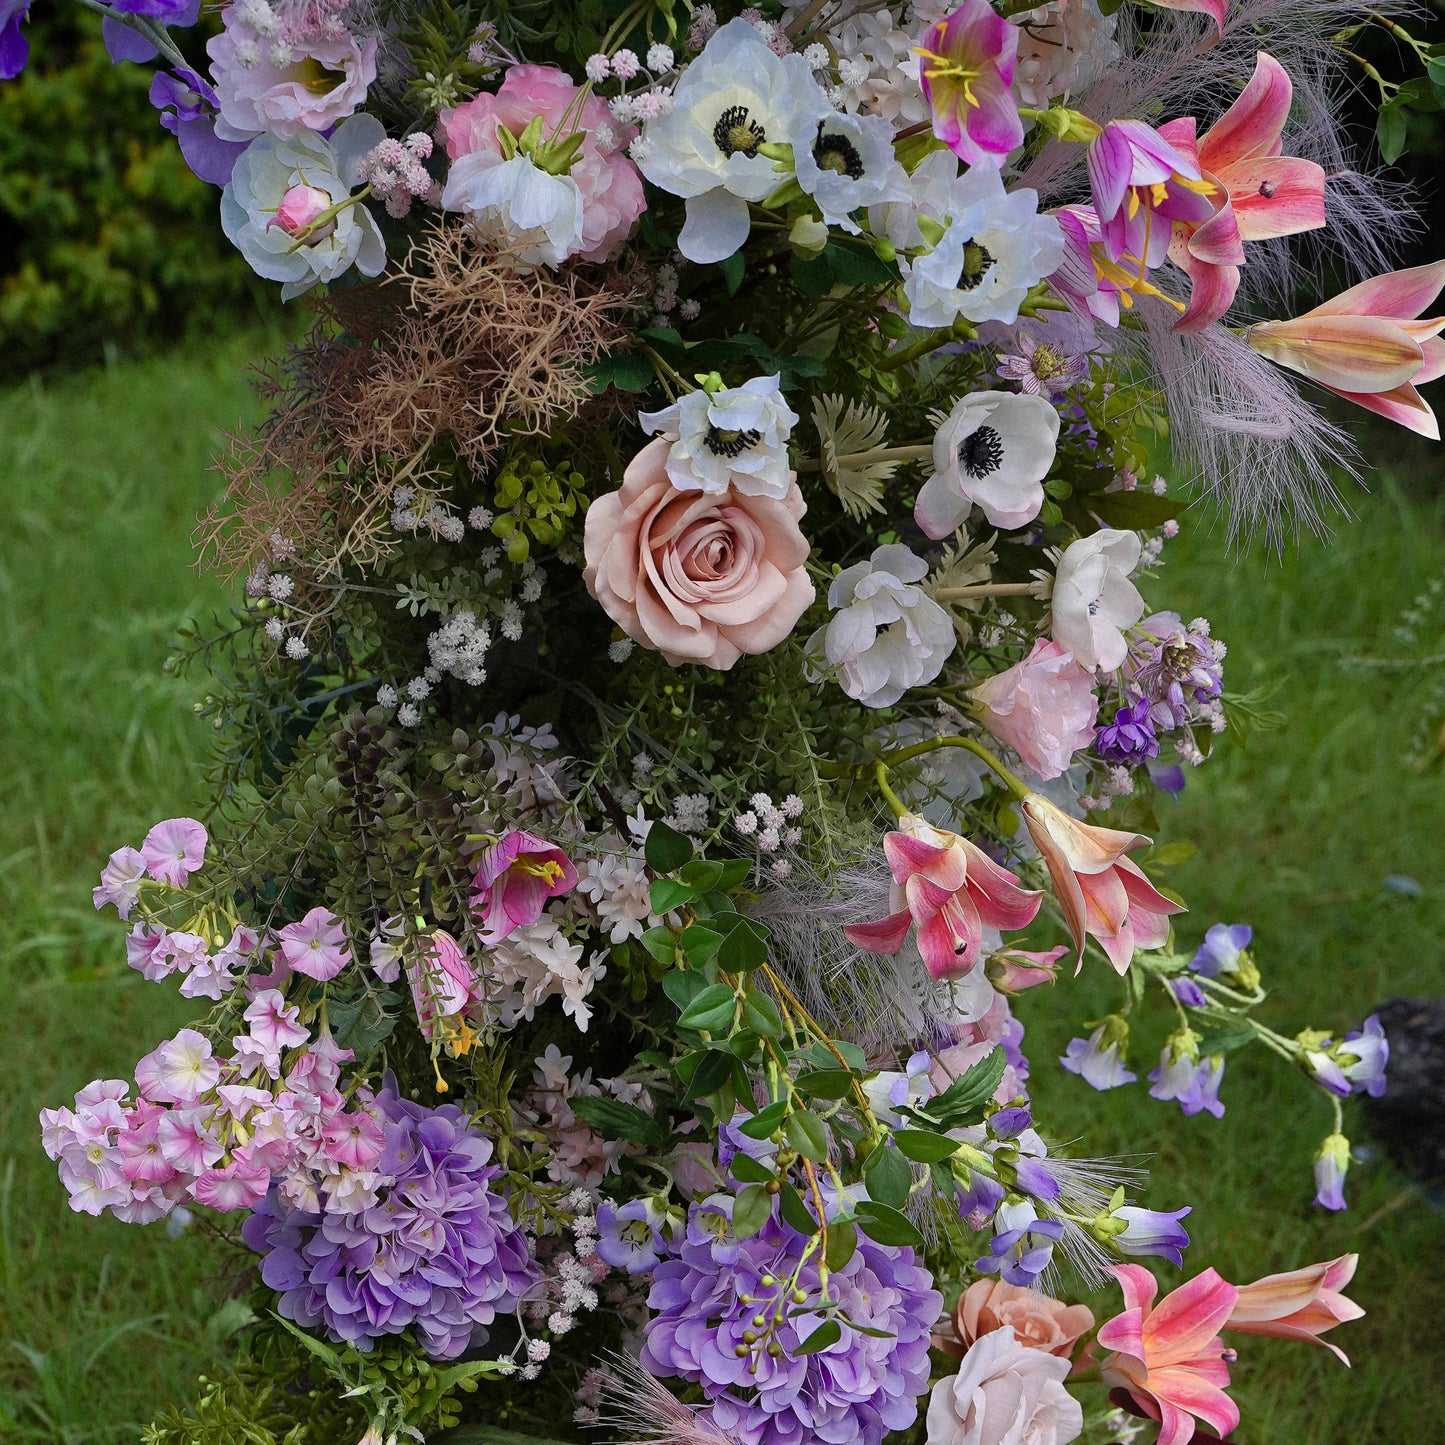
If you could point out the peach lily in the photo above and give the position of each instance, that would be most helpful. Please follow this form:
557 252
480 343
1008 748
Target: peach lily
1368 345
1169 1357
948 889
1299 1305
1102 892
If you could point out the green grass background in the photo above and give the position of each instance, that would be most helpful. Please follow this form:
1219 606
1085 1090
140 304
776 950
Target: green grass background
101 1323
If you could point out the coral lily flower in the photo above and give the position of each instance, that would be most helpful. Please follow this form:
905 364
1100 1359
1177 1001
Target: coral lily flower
1368 345
948 889
1102 892
1260 193
1169 1357
1299 1305
517 877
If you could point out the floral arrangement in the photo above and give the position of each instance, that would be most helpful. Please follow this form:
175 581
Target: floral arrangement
695 677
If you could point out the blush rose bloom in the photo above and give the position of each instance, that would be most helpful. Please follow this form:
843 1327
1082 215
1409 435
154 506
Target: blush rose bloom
700 577
607 181
1037 1320
1005 1393
1043 707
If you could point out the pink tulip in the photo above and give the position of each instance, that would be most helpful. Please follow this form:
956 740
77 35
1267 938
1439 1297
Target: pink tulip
1101 891
948 890
966 69
1299 1305
516 878
1367 345
1169 1358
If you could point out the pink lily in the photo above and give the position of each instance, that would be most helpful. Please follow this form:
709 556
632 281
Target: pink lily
517 877
1367 345
1101 891
1299 1305
1012 970
966 69
1169 1357
441 982
1213 8
948 889
1259 192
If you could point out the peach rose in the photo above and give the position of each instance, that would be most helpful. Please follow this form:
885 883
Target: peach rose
701 577
1038 1320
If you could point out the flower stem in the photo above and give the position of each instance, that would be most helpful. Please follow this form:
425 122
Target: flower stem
880 773
984 589
959 331
1015 784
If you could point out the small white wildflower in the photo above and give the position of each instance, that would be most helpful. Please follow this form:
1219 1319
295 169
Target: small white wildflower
625 64
386 695
760 803
512 622
639 150
531 1372
768 840
604 135
620 650
275 629
559 1323
280 586
792 837
690 309
538 1350
532 588
402 496
816 56
746 824
296 649
597 68
418 688
408 715
660 58
480 518
1159 486
489 556
792 806
781 868
642 764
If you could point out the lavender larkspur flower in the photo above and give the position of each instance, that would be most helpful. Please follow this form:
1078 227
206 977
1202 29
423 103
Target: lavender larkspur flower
1155 1232
439 1253
1130 738
1022 1247
855 1390
1220 951
1097 1060
1363 1058
1191 1081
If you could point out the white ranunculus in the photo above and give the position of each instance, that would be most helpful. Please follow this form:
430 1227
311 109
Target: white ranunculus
846 162
1094 600
993 450
275 192
888 635
1005 1393
530 215
735 97
996 248
736 437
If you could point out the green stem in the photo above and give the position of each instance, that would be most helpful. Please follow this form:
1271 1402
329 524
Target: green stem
984 589
959 331
880 773
1015 784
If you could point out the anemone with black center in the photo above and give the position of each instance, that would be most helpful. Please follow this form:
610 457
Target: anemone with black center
835 152
730 443
981 452
976 261
737 133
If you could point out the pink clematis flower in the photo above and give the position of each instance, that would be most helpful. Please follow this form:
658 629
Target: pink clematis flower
1102 892
517 877
1259 193
1169 1357
1367 345
966 68
948 889
1299 1305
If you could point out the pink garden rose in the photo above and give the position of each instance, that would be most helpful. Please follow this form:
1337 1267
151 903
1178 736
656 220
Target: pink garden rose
1005 1393
1044 708
610 186
702 577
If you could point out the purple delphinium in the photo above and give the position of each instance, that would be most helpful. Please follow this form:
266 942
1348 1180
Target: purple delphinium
1130 738
856 1390
1219 953
14 48
438 1253
1364 1056
1332 1163
1193 1082
1097 1063
1188 992
1152 1232
1022 1247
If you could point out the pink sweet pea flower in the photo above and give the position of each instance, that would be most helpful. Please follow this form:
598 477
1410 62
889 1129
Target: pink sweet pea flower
316 946
185 1142
120 881
1043 707
173 850
179 1071
517 877
274 1025
1299 1305
948 889
1169 1357
1101 891
966 67
1367 346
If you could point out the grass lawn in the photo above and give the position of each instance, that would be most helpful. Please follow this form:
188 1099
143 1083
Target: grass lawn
100 1323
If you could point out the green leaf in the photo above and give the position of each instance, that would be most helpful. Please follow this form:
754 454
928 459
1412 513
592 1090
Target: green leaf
886 1226
750 1170
827 1333
667 894
751 1210
622 369
842 1241
732 270
924 1147
712 1010
661 943
615 1119
701 875
760 1013
791 1205
811 278
807 1133
764 1124
961 1103
1225 1039
744 945
1133 511
1168 855
698 943
1392 130
323 1352
887 1175
734 871
666 340
825 1058
855 266
682 987
824 1083
666 850
713 1070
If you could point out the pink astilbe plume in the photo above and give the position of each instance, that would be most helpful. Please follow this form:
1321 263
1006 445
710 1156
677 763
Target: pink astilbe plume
640 1410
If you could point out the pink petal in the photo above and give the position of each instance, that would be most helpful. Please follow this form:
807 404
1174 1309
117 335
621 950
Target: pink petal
1138 1286
1187 1390
1345 351
884 936
1125 1333
1276 196
1400 294
950 942
1215 9
1252 126
908 854
1403 404
1211 292
1188 1318
1111 162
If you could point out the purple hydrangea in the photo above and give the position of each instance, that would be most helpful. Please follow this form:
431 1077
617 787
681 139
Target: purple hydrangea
438 1253
852 1392
1130 738
14 48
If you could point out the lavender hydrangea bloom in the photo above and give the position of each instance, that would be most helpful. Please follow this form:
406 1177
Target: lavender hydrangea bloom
1219 953
1130 738
628 1238
439 1253
853 1392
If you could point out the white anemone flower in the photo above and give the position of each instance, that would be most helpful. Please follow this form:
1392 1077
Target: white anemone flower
846 162
1094 600
995 249
734 437
273 208
528 214
993 450
887 634
929 188
736 97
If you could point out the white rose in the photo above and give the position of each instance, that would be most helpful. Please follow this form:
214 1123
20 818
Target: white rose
530 215
1094 600
1004 1393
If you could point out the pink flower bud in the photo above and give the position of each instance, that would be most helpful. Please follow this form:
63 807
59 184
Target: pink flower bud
299 208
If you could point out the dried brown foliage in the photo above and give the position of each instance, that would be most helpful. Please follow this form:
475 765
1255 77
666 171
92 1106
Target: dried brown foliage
448 358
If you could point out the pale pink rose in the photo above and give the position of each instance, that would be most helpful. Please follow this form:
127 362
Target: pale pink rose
298 212
1044 708
1004 1394
702 577
610 185
1037 1320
